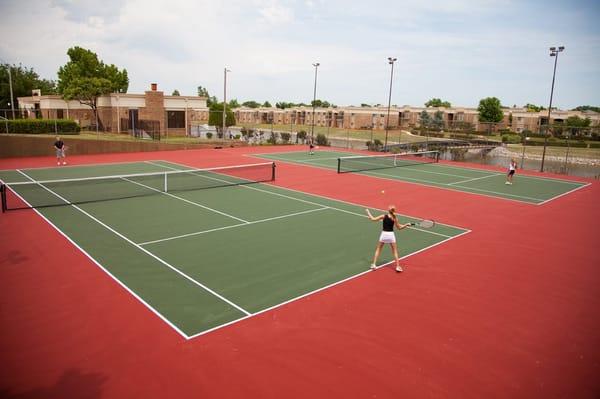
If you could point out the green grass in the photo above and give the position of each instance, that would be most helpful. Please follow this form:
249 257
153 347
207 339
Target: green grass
203 258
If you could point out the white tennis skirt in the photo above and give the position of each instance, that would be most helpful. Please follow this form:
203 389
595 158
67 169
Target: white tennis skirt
387 237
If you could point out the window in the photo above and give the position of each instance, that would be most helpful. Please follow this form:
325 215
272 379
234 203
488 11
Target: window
175 119
59 114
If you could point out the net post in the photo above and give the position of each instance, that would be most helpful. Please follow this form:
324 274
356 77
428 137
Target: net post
165 183
3 195
339 166
273 171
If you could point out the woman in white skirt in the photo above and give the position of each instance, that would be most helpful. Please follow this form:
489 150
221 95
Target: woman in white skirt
387 235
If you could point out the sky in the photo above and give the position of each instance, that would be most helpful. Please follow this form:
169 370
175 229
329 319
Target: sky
457 50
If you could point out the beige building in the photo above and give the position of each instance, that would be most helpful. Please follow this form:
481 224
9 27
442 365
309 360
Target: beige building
515 119
176 114
122 112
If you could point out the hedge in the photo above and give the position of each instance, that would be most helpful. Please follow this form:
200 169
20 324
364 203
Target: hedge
40 126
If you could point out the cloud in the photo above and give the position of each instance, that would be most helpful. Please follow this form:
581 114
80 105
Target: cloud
458 50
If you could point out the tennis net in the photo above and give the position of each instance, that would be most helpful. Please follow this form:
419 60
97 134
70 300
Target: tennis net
47 193
371 162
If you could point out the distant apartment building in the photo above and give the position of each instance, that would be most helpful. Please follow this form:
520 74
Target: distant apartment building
176 114
119 112
515 119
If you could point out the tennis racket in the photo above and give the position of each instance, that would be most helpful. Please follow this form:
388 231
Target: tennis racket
425 223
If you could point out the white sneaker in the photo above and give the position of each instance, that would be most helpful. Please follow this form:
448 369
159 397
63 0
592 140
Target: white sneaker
58 163
64 163
373 266
507 182
399 269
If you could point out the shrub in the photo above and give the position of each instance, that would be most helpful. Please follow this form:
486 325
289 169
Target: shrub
301 135
209 135
321 139
511 138
237 137
42 126
272 139
285 137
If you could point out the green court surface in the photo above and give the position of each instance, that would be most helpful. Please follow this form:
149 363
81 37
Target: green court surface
529 189
201 259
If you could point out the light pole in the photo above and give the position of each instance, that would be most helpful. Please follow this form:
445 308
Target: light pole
12 103
553 53
312 127
525 139
391 61
225 70
567 153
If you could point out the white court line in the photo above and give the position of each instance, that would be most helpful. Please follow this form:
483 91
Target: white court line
568 192
232 226
83 165
199 284
186 200
316 203
475 178
321 289
446 186
423 182
443 165
436 184
90 257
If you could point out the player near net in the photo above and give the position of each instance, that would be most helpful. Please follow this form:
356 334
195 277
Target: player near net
387 235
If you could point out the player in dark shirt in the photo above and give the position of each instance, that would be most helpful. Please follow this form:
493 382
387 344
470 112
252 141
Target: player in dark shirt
387 235
60 148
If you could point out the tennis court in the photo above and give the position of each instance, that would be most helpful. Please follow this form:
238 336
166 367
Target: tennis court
528 189
205 248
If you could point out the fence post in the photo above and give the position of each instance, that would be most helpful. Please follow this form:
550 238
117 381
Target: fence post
55 127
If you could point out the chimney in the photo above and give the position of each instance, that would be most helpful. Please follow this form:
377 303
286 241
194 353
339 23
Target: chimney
153 86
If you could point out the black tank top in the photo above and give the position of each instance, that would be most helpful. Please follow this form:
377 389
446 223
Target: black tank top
388 223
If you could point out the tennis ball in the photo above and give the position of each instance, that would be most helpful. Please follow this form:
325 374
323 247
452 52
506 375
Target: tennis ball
382 191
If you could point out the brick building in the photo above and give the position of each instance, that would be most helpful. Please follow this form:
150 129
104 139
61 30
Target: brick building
118 112
174 115
515 119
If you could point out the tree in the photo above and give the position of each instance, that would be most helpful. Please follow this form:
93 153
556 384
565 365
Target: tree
438 120
533 107
203 92
85 78
436 102
424 119
576 125
587 108
175 93
24 80
320 104
365 105
284 105
215 117
490 110
233 103
251 104
267 104
210 100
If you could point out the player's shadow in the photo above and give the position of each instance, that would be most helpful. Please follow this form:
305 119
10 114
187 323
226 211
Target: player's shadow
72 384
